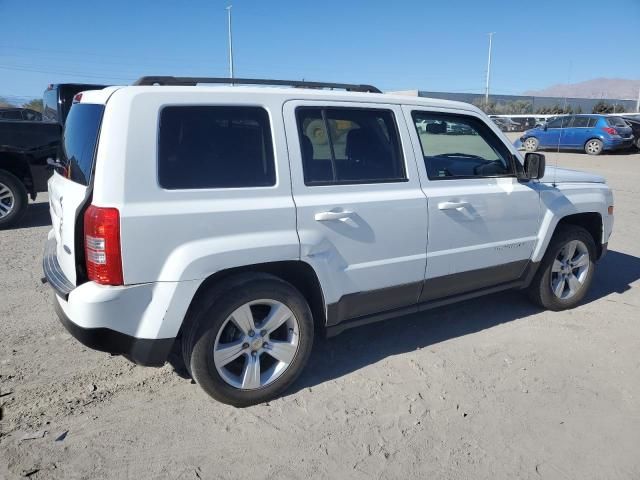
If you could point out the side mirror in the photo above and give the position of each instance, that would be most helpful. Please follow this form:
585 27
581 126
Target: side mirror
534 165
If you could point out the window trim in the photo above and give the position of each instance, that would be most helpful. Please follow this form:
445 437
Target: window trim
510 157
323 112
219 105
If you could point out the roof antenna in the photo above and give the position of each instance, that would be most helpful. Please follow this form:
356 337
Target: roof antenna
564 112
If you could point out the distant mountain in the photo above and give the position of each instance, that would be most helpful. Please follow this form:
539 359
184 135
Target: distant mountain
618 88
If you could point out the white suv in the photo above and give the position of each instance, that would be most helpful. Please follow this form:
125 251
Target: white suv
231 222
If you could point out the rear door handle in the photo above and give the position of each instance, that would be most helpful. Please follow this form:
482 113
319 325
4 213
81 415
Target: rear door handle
452 205
327 216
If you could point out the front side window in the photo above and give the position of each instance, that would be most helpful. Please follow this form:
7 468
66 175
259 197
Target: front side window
349 145
460 146
215 147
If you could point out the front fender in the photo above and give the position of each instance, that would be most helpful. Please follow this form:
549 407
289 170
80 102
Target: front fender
571 199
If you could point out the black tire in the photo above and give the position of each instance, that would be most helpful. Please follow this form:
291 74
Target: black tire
593 146
531 144
638 143
18 199
208 317
540 291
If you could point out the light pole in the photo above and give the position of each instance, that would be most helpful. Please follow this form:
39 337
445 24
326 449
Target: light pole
486 91
230 42
638 102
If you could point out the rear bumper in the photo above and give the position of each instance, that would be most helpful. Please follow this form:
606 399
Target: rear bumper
127 320
615 144
143 351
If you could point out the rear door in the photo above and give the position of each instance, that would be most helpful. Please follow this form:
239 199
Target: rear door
361 214
554 135
69 185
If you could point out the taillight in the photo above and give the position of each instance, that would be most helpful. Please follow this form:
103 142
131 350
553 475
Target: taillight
77 97
610 130
102 245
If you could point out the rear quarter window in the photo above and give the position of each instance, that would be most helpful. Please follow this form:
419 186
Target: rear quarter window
79 141
215 147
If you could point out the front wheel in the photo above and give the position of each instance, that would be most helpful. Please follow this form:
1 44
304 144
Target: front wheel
566 271
531 144
251 342
593 147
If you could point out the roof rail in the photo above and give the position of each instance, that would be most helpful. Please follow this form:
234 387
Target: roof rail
160 80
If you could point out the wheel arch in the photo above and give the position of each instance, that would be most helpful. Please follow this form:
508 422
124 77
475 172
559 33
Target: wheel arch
19 168
296 272
591 222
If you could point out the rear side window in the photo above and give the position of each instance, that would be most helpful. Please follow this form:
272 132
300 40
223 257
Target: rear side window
79 141
592 122
215 147
349 145
580 122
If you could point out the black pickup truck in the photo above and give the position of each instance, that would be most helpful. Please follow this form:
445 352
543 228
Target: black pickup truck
25 146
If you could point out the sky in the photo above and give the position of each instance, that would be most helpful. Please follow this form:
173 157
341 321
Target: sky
432 45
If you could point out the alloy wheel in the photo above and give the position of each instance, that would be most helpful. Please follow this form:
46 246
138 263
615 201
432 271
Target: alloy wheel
256 344
7 200
593 147
530 144
570 269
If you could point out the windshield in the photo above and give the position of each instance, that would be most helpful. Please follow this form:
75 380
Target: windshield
79 141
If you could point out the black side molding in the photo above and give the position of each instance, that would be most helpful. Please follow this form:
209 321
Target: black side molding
143 351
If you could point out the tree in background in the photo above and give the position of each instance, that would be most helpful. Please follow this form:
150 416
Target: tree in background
35 104
604 107
4 103
507 108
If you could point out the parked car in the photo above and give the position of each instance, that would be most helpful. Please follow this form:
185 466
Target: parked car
26 142
506 124
634 122
591 133
20 114
205 221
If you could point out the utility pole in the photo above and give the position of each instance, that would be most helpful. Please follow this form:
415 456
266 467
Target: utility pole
638 102
486 92
230 43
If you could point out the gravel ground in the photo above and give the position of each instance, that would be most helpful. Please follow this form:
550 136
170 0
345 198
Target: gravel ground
490 388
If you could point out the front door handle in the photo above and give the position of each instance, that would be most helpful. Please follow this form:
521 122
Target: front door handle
452 205
327 216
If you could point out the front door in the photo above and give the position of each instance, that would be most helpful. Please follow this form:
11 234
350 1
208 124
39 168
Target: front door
483 222
361 214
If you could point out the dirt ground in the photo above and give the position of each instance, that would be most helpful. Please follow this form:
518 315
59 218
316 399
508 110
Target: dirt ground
490 388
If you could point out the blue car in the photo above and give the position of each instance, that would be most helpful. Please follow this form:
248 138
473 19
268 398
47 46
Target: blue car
591 133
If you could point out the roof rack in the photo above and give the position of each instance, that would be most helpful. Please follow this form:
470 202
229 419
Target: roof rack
189 81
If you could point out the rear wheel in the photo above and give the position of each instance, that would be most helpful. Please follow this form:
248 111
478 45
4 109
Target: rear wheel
638 143
251 341
593 146
531 144
566 271
13 199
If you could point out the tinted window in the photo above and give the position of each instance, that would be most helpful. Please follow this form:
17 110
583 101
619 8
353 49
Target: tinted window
215 147
11 115
79 141
580 122
592 122
31 115
345 145
616 122
559 122
457 146
50 102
